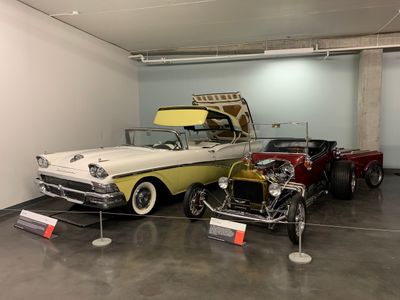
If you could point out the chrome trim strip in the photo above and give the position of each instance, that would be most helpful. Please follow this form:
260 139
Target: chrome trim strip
213 163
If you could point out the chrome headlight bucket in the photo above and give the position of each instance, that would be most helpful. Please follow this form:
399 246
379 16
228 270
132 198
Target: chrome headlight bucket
97 171
42 162
275 189
223 182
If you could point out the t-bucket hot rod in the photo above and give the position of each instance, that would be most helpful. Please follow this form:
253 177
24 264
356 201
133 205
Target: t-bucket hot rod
279 183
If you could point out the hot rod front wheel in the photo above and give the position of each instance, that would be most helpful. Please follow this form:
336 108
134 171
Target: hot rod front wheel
193 205
296 215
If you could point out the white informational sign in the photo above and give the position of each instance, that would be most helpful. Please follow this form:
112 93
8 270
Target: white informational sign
227 231
36 223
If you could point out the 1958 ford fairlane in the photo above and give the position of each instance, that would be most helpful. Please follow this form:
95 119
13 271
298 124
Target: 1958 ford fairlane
154 161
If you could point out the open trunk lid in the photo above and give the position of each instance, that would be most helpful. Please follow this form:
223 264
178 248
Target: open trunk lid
231 103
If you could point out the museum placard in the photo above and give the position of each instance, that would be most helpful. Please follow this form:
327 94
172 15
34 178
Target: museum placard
36 223
227 231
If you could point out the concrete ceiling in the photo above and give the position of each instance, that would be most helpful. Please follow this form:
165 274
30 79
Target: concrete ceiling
137 25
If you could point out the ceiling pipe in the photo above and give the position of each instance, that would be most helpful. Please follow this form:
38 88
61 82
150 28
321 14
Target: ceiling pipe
352 49
220 58
296 52
197 59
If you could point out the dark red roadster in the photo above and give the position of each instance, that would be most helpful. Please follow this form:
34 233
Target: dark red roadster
277 184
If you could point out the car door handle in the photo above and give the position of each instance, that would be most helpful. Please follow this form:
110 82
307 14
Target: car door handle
211 151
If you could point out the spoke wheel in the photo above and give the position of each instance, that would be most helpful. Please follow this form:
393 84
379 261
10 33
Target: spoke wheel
296 215
193 201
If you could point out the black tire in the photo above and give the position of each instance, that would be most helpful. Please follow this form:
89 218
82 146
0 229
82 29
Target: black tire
343 180
143 199
296 214
193 205
374 175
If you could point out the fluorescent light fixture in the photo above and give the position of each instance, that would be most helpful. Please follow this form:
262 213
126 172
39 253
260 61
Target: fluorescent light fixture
289 52
71 13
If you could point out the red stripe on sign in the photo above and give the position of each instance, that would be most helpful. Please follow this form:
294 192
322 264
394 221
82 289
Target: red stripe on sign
239 237
48 231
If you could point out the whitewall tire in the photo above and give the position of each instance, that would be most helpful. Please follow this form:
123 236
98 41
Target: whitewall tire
144 198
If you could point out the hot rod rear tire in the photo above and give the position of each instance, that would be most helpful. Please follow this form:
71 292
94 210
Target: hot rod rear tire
374 175
193 205
343 180
296 214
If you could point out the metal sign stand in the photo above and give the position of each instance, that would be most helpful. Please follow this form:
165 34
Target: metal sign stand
102 241
300 257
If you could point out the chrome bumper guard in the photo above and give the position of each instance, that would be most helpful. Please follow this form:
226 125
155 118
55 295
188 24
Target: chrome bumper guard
245 215
90 199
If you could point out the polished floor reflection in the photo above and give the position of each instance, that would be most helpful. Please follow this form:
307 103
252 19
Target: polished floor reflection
172 258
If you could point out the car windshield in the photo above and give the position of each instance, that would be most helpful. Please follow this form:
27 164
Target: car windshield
286 130
154 138
284 137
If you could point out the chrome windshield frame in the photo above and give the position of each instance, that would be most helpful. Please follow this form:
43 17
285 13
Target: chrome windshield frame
154 129
304 123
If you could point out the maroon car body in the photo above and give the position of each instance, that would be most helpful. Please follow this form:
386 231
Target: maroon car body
362 160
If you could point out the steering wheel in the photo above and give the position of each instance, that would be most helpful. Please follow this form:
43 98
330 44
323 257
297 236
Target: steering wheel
161 146
176 145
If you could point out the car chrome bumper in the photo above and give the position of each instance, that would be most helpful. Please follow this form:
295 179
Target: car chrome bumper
246 215
90 199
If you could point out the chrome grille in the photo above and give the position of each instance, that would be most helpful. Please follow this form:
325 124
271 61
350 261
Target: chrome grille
85 187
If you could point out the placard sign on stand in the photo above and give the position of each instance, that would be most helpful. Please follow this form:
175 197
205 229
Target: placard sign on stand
36 223
227 231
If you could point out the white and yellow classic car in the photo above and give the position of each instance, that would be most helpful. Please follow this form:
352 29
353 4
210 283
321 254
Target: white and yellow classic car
155 162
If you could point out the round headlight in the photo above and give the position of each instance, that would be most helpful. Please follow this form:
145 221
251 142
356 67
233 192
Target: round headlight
97 171
101 173
42 162
275 189
93 170
223 182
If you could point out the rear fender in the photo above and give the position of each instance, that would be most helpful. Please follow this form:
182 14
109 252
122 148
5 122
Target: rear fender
362 159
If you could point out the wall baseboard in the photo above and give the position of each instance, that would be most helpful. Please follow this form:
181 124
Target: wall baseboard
391 170
22 205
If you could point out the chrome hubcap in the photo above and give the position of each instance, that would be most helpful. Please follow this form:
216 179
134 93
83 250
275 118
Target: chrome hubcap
142 198
376 175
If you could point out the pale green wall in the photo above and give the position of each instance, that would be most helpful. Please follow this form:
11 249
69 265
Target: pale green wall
323 92
390 110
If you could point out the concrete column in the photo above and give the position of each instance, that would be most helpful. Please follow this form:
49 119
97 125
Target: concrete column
369 98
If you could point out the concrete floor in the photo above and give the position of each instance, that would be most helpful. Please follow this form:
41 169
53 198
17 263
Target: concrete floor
157 258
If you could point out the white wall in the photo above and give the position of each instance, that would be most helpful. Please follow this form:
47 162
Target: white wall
60 89
323 92
390 110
